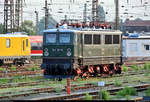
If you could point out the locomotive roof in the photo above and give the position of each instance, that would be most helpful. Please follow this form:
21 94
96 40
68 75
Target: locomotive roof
79 30
12 35
60 30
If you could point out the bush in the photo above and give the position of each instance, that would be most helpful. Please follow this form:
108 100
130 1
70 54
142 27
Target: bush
13 68
88 97
105 95
127 91
134 67
124 68
147 92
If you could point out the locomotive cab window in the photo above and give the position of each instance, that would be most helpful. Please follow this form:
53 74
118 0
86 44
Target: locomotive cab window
108 39
115 39
51 38
8 43
64 38
87 39
96 39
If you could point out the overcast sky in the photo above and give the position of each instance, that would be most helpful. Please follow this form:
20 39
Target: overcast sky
74 9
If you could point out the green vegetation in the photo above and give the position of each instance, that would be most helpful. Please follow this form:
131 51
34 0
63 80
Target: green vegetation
126 91
124 68
28 69
105 95
147 66
2 69
13 68
28 27
88 97
35 68
134 67
118 83
4 80
147 92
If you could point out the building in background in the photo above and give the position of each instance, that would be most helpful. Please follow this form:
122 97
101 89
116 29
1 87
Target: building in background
137 25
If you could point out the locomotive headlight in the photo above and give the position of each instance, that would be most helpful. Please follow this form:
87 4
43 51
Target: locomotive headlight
46 49
69 50
68 53
46 53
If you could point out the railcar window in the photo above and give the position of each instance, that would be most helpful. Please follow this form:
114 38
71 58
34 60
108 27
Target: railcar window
51 38
96 39
64 38
23 45
115 39
26 42
87 39
108 39
147 47
8 43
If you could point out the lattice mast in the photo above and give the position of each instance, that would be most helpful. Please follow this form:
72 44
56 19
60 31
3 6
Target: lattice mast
8 16
18 15
95 17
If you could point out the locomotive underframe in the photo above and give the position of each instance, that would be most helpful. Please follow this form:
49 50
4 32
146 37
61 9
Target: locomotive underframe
68 67
16 60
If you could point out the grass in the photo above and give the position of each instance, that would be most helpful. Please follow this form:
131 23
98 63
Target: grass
13 68
88 97
126 91
105 95
147 66
2 69
118 83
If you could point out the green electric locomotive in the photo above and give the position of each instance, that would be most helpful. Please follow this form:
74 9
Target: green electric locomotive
71 53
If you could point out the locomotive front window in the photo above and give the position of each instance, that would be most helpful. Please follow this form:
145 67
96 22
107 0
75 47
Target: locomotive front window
51 38
64 38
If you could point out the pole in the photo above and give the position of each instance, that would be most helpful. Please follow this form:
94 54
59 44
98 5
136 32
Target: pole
117 27
46 15
68 86
37 21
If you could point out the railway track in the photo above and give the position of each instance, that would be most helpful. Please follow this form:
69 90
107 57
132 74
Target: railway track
94 93
52 90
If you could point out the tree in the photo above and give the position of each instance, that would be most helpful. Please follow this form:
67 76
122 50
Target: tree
1 28
51 24
28 27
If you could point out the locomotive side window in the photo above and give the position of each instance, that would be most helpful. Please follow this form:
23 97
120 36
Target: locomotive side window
96 39
51 38
64 38
108 39
115 39
23 45
87 39
8 43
